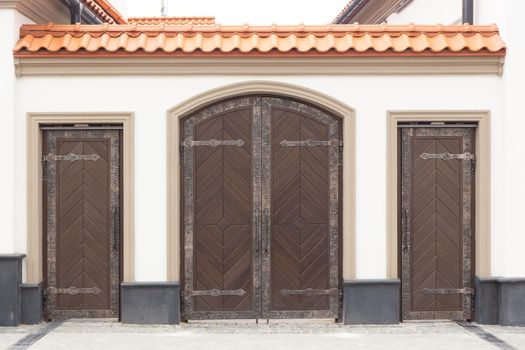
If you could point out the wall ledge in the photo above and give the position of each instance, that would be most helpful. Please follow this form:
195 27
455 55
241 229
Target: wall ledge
133 66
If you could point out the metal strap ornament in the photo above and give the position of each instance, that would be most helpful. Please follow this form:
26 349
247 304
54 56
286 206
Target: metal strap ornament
448 156
71 157
213 143
74 290
448 291
308 292
308 143
218 293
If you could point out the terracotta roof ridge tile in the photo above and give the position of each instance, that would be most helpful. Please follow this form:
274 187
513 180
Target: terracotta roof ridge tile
109 9
342 28
189 39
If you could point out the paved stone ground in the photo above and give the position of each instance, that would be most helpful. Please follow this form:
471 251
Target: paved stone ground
104 334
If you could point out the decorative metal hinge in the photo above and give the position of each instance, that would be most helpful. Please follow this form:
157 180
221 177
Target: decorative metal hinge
340 153
212 143
308 143
44 299
71 157
73 290
217 293
448 291
448 156
181 153
309 292
317 143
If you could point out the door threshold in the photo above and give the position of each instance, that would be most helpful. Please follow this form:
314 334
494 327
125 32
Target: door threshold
316 321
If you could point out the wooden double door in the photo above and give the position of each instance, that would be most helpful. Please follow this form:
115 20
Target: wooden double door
437 233
260 210
81 190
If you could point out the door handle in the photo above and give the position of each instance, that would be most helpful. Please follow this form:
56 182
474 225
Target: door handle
116 228
267 230
257 230
406 235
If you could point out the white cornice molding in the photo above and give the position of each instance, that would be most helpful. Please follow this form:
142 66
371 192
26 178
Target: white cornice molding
29 66
39 11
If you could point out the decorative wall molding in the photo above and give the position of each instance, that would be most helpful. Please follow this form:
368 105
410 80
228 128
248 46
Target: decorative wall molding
34 184
39 11
28 66
482 184
345 112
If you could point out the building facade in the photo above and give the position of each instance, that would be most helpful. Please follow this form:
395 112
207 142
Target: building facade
174 169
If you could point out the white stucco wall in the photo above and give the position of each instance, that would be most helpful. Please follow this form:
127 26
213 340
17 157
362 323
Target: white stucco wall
10 21
507 14
371 96
429 12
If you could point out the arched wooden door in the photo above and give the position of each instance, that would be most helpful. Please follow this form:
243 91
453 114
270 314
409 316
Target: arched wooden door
261 210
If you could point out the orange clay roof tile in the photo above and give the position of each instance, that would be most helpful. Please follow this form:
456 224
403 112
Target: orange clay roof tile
105 11
172 20
163 39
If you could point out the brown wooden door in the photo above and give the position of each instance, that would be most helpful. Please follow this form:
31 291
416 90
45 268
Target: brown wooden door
301 177
261 210
437 175
81 214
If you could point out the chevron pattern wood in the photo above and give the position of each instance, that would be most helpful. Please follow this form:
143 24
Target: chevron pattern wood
261 222
223 214
83 226
300 237
436 224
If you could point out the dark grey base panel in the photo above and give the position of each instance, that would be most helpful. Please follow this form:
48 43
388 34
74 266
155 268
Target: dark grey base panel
500 301
10 281
371 302
32 303
150 303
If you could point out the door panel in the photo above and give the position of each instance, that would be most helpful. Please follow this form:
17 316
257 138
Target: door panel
437 235
261 220
302 259
82 176
218 191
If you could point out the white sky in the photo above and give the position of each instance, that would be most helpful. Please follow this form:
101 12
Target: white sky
240 12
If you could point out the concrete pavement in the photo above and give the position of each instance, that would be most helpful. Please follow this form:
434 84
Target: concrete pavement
104 334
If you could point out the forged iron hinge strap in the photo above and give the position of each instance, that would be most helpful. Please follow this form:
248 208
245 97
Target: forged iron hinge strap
309 292
74 290
70 157
448 156
310 143
448 291
317 143
212 143
217 293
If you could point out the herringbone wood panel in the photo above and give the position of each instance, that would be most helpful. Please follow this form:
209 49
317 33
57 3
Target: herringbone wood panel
436 222
83 225
300 193
223 197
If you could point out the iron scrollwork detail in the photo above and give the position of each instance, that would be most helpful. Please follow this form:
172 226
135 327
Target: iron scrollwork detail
217 293
72 157
447 291
74 290
448 156
212 143
308 143
308 292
